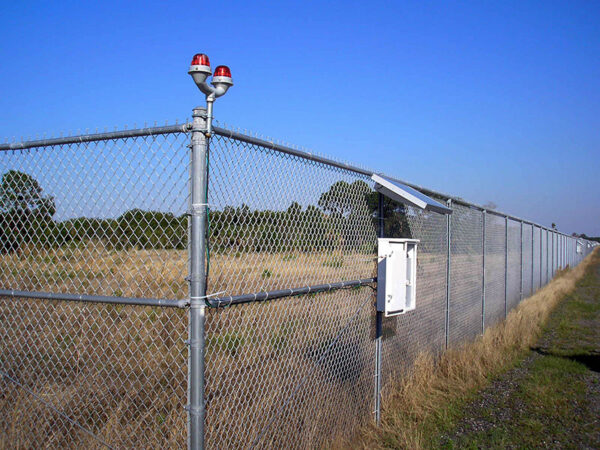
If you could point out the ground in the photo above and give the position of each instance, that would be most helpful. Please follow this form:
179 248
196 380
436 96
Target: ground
551 398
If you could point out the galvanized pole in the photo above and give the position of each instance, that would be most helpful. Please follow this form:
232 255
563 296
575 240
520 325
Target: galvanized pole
505 267
532 257
378 326
552 266
541 254
522 265
483 278
448 259
548 266
197 279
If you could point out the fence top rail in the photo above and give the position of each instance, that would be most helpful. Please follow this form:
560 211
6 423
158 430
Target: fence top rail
123 134
169 129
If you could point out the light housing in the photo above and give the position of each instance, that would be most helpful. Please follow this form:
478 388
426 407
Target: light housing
200 70
222 80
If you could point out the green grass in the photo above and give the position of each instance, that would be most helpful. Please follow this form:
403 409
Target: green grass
551 404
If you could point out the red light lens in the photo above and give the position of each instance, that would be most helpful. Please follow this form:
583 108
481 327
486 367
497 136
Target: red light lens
200 59
222 71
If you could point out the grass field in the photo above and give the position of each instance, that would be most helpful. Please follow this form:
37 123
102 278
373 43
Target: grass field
121 371
295 370
552 397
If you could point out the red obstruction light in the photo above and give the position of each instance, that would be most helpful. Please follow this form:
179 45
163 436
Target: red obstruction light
222 71
200 59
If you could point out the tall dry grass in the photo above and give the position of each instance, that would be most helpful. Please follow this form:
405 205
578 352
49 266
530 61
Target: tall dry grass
122 371
413 404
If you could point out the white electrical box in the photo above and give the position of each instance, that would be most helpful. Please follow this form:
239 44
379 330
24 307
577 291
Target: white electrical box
396 275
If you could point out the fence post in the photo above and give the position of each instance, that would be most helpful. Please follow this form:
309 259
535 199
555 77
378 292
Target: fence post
532 256
448 256
548 267
378 325
541 255
505 267
483 278
522 265
197 278
552 266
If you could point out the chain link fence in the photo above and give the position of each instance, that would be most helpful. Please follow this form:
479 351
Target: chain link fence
95 303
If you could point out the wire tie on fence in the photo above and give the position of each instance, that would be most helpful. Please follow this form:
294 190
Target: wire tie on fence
214 294
204 297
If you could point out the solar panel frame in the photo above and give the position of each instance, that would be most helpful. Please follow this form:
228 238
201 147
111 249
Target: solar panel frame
405 194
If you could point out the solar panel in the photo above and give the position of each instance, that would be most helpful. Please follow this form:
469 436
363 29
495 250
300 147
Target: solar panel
405 194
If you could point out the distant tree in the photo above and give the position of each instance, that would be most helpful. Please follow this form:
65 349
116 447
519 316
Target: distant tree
344 198
490 205
553 226
25 213
395 216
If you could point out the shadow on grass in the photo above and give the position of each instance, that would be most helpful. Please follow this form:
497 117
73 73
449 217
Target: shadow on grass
590 360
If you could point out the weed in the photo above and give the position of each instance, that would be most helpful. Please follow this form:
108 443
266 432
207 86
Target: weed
266 273
334 261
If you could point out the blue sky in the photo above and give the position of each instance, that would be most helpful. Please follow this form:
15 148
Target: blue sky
490 101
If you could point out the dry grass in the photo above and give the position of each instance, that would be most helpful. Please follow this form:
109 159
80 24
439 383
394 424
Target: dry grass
121 371
414 404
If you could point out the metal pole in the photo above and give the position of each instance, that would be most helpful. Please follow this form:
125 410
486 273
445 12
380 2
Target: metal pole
522 265
197 279
548 266
552 266
448 258
483 277
505 267
532 256
378 326
541 255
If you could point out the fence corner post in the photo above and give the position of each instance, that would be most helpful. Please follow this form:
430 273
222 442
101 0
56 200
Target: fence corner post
197 278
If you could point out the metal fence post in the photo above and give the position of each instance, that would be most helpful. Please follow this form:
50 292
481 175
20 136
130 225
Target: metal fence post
505 267
541 255
483 278
448 256
532 257
197 279
378 325
552 266
547 257
522 265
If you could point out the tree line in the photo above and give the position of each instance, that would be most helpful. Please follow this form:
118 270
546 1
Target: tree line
345 217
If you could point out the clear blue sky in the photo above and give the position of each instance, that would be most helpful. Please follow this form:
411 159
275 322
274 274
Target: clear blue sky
490 101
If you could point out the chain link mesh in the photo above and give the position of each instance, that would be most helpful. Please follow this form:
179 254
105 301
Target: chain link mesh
104 218
513 275
536 259
117 371
108 217
423 330
298 370
99 218
527 261
466 273
495 241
